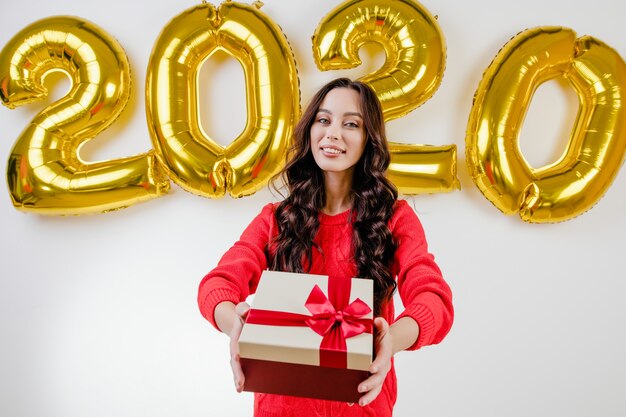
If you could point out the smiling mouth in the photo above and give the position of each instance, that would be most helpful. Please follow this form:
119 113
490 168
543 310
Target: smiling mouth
334 151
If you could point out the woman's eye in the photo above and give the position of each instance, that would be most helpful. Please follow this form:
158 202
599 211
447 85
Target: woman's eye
351 124
322 120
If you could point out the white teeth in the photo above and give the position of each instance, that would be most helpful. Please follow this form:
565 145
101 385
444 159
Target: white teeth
332 150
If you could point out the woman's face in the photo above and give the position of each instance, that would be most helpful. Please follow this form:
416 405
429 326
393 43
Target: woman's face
337 134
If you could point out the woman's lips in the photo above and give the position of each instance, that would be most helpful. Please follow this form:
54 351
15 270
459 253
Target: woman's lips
332 150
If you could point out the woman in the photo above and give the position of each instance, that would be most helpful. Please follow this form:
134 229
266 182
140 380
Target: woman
341 218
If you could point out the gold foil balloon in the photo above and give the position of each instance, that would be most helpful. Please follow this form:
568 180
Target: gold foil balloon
45 172
423 169
195 161
410 36
415 60
595 152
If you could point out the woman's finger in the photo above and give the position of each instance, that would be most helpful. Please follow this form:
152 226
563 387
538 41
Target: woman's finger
381 365
383 349
238 376
241 310
370 396
381 327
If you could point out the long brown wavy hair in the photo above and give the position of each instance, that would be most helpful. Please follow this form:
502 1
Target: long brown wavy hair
373 198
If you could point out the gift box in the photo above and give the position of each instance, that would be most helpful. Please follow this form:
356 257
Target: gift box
308 336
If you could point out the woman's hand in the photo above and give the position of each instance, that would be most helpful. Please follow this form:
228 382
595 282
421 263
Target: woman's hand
383 350
241 311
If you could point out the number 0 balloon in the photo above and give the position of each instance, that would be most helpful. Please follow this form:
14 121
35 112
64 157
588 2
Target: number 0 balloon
195 161
595 151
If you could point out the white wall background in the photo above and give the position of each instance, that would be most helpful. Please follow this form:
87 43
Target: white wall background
98 313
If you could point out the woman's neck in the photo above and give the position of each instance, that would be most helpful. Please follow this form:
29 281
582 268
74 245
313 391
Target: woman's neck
338 191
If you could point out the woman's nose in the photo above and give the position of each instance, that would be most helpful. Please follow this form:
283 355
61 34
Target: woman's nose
332 132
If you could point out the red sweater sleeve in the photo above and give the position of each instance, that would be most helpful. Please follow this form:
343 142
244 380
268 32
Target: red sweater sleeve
426 296
237 274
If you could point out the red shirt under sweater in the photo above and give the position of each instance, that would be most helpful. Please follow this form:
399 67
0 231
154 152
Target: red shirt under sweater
425 295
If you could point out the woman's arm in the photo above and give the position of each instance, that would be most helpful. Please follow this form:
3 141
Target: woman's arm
426 296
404 333
238 271
236 276
388 341
230 319
224 315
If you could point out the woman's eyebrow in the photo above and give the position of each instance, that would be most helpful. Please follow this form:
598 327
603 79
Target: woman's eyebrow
349 113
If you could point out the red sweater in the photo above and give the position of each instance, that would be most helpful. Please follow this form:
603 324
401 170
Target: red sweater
425 295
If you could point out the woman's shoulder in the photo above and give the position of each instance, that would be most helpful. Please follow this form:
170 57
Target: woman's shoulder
401 208
403 214
267 212
263 224
270 207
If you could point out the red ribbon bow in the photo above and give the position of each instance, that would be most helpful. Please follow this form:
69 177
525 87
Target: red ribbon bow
328 319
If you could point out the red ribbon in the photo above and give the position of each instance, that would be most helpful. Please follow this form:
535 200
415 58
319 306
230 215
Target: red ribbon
333 319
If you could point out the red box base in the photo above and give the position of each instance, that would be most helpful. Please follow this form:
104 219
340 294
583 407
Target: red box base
302 380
